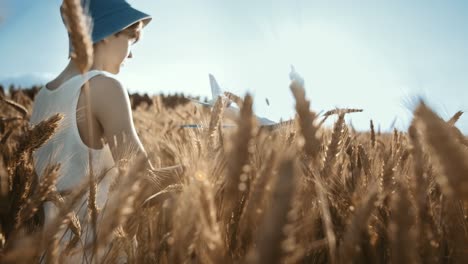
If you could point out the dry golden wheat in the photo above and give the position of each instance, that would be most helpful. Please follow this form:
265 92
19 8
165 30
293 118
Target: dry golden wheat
78 25
264 196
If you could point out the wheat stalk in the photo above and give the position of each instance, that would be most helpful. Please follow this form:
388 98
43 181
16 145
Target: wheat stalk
78 26
401 228
306 121
333 147
341 111
451 156
272 233
18 107
236 184
420 185
256 201
455 118
236 99
357 228
32 204
39 134
215 120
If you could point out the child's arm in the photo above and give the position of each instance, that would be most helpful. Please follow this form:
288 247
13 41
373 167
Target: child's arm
111 107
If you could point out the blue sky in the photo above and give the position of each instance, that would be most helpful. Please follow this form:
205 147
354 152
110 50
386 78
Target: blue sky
378 55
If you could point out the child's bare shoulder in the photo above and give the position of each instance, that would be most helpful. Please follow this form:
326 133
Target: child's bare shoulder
107 94
105 82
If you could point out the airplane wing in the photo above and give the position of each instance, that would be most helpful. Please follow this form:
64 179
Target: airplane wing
268 127
265 121
202 127
278 125
207 104
231 113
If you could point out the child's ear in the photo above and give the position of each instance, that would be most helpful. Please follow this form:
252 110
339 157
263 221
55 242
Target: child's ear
104 40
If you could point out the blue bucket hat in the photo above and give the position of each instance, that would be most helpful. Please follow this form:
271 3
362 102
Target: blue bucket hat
109 17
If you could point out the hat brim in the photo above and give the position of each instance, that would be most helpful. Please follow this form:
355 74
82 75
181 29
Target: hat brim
119 20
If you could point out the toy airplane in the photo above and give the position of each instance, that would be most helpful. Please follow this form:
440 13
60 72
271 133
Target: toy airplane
231 112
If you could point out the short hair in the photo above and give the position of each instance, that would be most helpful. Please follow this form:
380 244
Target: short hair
133 31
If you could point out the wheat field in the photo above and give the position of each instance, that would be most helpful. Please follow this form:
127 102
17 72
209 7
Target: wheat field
298 193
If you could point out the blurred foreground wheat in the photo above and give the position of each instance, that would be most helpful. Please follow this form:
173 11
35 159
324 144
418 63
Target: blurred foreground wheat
302 193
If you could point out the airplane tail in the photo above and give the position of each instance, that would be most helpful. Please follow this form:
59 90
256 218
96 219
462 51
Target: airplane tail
215 89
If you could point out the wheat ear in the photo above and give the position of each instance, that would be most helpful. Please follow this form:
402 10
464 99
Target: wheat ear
306 120
78 26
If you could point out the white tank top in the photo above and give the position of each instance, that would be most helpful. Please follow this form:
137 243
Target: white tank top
66 146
